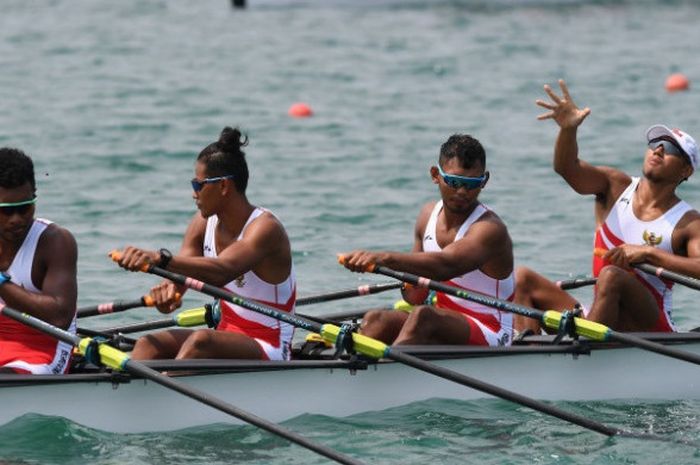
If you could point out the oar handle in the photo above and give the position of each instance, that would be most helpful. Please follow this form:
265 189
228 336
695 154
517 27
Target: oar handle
575 283
116 306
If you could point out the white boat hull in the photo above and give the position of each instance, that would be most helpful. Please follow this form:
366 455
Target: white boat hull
278 395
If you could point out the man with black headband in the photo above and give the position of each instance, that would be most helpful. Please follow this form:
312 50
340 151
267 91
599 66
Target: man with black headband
37 273
638 220
460 241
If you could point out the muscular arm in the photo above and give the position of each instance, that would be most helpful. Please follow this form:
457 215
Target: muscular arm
584 178
54 273
486 246
485 240
262 240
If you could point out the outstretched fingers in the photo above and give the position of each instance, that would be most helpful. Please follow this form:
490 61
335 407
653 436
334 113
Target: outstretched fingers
555 98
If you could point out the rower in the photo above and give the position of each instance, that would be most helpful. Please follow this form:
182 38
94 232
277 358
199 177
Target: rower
229 243
38 260
638 220
458 240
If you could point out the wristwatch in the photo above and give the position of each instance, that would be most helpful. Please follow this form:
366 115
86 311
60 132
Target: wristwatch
165 257
4 277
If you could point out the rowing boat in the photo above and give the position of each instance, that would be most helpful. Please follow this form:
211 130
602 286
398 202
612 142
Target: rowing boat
575 371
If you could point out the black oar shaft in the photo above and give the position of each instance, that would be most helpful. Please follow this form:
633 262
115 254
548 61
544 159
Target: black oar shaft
501 393
392 353
140 369
654 347
218 404
670 275
145 326
358 291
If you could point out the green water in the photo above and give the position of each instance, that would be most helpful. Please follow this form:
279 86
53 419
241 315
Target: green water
115 99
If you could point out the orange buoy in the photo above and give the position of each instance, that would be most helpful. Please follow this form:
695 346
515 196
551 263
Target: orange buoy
300 110
677 82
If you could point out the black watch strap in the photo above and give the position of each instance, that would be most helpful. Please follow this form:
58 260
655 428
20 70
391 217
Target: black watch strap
165 257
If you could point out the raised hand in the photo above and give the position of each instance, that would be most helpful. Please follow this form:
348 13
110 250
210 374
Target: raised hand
562 109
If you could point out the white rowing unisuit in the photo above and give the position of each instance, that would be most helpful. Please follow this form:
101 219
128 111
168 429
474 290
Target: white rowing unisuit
273 336
623 227
488 326
24 349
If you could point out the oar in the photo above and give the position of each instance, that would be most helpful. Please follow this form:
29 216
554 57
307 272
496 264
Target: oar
575 283
184 319
356 292
549 318
116 359
377 349
116 306
669 275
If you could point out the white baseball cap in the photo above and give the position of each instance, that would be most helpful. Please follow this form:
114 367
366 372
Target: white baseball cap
685 142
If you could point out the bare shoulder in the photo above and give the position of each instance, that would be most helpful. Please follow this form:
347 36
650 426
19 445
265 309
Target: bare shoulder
58 238
493 224
617 181
690 223
196 229
268 226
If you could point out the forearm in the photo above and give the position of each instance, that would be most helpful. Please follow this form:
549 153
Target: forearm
56 310
210 270
430 265
566 152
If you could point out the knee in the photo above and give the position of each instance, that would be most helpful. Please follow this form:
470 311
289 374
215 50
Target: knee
198 342
147 347
421 316
611 277
524 279
371 318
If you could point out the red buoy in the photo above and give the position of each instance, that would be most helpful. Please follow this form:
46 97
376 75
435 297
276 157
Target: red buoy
300 110
677 82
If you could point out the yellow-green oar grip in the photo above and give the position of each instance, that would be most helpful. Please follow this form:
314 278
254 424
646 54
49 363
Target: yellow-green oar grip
193 317
585 328
109 356
363 344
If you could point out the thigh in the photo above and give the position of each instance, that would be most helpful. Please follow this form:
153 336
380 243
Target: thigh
209 343
452 327
639 310
160 345
431 325
547 295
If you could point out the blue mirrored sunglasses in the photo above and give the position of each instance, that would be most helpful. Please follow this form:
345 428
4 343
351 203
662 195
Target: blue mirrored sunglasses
455 181
10 208
197 185
670 148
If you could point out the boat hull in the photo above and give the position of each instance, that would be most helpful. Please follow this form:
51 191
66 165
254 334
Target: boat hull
279 392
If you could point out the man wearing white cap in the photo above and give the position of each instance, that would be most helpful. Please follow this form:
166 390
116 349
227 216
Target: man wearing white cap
638 220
